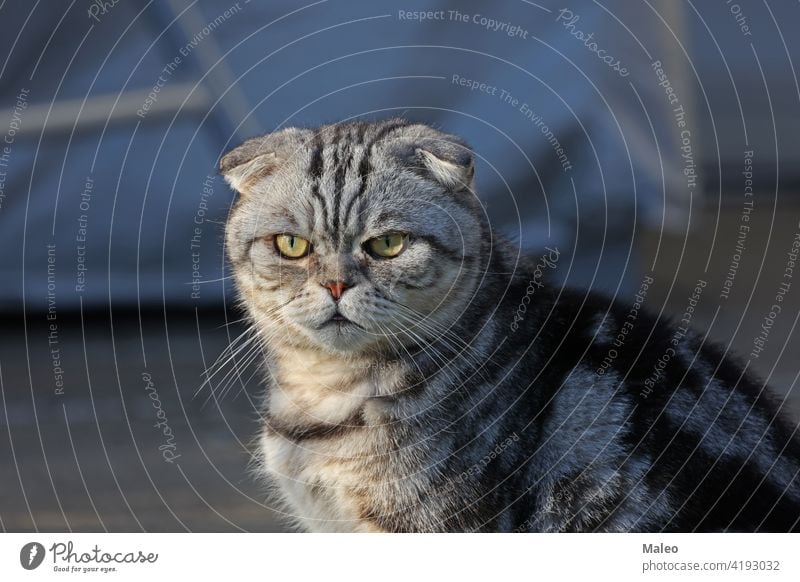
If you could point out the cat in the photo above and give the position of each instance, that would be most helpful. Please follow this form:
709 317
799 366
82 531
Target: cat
425 378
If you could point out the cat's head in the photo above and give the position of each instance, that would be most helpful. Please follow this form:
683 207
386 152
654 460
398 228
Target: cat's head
355 236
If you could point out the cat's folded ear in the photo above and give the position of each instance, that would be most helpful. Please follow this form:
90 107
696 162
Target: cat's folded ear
443 157
257 158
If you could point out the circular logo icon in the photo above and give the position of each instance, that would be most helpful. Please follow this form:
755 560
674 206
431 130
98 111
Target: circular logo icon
31 555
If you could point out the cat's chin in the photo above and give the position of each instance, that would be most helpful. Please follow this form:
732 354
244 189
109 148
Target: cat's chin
341 337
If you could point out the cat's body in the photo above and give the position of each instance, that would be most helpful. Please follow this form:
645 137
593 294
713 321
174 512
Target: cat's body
446 388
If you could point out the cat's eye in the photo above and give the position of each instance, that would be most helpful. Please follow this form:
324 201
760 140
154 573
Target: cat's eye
388 245
292 246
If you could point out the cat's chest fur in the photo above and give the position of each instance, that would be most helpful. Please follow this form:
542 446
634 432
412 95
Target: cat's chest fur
323 440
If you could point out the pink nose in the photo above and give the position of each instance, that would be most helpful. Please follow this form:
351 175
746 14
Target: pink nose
336 288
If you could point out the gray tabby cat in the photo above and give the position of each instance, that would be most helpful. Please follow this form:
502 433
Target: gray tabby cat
407 393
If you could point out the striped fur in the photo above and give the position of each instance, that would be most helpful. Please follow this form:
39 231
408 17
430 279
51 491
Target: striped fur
440 409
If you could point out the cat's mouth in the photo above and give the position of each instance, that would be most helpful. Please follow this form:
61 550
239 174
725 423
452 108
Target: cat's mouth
339 320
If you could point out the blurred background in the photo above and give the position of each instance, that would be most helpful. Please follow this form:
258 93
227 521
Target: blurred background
646 138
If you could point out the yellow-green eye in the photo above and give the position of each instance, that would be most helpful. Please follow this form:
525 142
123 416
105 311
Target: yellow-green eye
292 246
388 245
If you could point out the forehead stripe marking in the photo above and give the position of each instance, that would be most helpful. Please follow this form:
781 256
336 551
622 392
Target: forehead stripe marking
341 162
315 170
365 167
